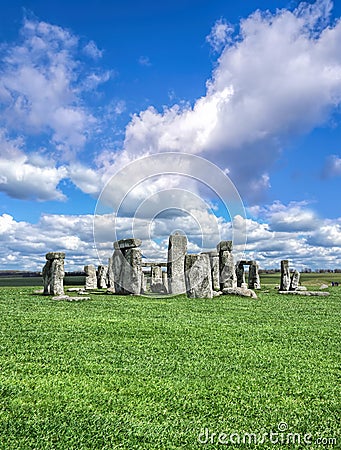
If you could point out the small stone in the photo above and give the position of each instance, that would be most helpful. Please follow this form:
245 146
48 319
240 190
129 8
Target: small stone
90 277
301 288
324 286
295 281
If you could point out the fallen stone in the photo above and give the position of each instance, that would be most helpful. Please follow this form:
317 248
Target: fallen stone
124 244
239 291
324 286
301 288
38 291
111 291
70 299
74 289
308 293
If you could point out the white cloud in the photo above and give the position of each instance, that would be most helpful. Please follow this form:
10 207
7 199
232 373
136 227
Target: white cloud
144 61
220 35
92 50
42 83
280 77
28 177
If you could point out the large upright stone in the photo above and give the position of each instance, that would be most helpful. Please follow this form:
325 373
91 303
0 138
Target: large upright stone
240 274
227 273
177 248
110 274
156 281
90 277
118 262
198 276
285 276
295 281
214 261
53 274
102 272
254 280
131 275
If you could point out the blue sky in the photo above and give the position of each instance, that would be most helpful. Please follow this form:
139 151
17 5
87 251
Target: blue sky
87 88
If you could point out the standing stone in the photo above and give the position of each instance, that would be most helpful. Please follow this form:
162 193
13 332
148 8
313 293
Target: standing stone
295 281
177 248
198 276
90 277
227 274
156 282
131 275
165 279
53 274
214 261
110 274
285 276
118 262
240 274
143 283
254 280
102 272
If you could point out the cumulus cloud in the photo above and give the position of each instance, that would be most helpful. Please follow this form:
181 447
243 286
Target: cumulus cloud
42 82
220 34
279 77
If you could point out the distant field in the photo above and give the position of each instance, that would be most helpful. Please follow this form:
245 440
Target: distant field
310 279
38 281
148 373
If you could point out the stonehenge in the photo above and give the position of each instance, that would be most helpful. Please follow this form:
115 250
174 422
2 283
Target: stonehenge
53 274
285 276
205 275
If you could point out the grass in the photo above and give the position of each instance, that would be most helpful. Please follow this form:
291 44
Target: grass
149 373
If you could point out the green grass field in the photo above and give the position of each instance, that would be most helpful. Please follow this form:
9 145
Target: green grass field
149 373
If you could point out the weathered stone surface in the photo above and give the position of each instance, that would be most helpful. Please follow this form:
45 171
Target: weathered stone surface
244 292
124 244
90 277
118 262
217 293
102 272
53 274
285 276
295 281
308 293
324 286
214 261
228 277
110 274
240 273
165 279
111 291
131 274
55 255
225 246
177 248
254 280
198 276
157 280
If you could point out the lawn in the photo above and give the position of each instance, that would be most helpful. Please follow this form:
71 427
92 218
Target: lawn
149 373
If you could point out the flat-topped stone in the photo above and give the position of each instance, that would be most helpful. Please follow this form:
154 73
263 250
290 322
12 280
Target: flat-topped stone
124 244
244 292
309 293
55 255
224 246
